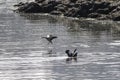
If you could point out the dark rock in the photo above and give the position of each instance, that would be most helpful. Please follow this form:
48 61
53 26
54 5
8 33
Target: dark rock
116 9
72 12
116 16
85 9
94 15
104 17
74 8
39 1
86 5
70 5
103 11
61 8
65 2
30 8
73 1
114 6
47 8
99 5
19 4
77 5
83 13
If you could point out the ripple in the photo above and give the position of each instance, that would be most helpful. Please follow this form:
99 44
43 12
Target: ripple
115 43
84 45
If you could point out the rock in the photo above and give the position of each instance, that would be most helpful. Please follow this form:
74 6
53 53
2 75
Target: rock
98 9
115 6
65 2
39 1
115 13
116 9
103 11
99 5
116 16
73 1
94 15
56 13
104 17
30 8
62 8
70 5
19 4
77 5
72 12
50 6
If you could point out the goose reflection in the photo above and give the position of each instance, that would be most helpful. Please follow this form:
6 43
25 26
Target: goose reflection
51 53
69 59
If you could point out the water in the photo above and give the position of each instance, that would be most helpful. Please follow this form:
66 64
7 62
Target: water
24 55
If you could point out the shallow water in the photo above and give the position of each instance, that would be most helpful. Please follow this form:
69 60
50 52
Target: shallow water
24 55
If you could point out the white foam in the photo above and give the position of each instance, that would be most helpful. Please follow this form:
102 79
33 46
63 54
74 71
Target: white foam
84 45
114 44
117 41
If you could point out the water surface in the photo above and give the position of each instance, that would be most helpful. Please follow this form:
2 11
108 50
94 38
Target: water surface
24 55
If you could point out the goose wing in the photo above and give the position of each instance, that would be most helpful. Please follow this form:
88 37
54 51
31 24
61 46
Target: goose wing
53 37
75 53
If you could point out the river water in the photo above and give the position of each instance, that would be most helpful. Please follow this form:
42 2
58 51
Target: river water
24 55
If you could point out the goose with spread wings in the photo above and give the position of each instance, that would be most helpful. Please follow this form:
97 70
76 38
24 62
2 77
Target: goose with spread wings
49 38
71 54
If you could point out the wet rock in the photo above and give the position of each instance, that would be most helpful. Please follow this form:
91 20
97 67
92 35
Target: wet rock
62 8
85 8
19 4
99 5
103 11
116 9
30 8
50 6
39 1
56 13
116 16
104 17
73 8
115 13
70 5
94 15
72 12
73 1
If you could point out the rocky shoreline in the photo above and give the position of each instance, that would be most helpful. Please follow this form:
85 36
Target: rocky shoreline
98 9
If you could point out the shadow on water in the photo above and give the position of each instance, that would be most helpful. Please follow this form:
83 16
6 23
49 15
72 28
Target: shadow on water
70 60
32 17
51 53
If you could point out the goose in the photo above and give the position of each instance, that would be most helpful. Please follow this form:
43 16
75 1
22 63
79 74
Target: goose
50 38
70 54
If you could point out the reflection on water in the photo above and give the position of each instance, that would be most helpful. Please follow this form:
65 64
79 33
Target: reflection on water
24 55
68 60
